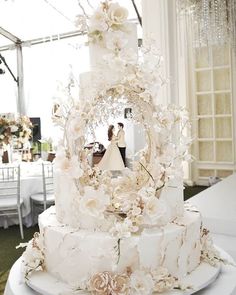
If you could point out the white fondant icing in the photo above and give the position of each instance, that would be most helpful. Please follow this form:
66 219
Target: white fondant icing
74 255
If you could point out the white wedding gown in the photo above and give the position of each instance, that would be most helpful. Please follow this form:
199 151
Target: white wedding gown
112 159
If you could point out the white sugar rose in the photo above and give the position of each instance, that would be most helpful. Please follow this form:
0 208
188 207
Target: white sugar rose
154 210
98 21
94 202
141 283
120 285
100 283
107 283
117 14
69 166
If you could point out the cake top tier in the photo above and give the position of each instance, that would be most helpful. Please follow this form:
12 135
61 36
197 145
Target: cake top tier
110 33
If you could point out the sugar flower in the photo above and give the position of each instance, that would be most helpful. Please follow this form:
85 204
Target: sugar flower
117 14
94 202
141 283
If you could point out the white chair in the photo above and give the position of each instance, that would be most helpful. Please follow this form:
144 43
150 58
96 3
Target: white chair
46 198
10 201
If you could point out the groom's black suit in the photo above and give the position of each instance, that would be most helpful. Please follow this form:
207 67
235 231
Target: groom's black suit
121 144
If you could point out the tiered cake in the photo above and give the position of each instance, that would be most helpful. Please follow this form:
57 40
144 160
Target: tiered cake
125 235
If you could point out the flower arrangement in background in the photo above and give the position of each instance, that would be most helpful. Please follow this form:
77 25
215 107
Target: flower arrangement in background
17 131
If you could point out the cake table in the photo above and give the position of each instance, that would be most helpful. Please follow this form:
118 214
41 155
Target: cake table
224 284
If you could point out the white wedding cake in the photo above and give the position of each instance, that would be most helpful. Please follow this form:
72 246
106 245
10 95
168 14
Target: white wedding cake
130 234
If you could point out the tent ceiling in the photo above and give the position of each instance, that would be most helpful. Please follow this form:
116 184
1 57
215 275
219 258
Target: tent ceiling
27 19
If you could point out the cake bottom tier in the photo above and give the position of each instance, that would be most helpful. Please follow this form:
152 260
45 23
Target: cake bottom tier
74 256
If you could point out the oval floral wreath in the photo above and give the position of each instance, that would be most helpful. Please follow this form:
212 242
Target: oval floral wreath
128 197
134 199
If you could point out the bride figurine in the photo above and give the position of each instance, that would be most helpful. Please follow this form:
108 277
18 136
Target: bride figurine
112 159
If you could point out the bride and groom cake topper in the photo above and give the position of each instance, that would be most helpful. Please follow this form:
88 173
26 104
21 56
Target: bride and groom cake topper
114 157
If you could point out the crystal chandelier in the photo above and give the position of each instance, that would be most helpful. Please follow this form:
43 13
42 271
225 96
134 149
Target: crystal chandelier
213 21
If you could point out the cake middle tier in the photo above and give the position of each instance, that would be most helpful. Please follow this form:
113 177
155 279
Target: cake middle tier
74 256
67 199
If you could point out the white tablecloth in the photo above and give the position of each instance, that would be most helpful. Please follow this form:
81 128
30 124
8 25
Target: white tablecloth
225 284
31 183
217 205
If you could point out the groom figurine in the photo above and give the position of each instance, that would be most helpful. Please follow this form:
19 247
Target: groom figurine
121 141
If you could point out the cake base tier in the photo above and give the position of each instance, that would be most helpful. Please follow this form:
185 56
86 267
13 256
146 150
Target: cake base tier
75 255
201 277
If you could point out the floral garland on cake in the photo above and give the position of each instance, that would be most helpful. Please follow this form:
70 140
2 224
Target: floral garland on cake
137 282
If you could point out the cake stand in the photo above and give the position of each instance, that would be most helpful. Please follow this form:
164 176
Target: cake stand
206 280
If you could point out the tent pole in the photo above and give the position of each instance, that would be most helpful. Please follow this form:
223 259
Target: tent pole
9 35
20 81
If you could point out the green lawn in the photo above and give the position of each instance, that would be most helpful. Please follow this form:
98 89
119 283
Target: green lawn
9 239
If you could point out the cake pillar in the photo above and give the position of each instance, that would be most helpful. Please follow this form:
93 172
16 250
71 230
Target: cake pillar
160 25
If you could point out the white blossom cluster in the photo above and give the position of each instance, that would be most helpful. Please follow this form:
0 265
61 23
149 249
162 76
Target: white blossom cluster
33 257
139 282
209 253
108 17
